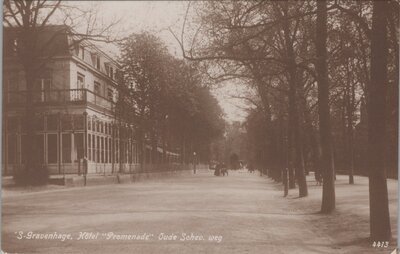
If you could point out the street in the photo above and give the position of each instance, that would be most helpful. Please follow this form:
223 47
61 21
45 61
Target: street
241 213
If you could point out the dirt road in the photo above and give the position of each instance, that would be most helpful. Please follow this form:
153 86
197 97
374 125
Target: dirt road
241 213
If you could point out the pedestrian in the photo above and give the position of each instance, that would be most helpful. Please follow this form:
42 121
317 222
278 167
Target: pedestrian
224 170
85 165
318 177
217 171
85 169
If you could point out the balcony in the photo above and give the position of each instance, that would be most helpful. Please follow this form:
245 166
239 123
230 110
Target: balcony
60 98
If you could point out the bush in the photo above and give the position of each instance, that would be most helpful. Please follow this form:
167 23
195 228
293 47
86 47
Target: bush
36 175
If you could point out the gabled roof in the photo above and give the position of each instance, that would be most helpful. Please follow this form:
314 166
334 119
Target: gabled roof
50 40
56 40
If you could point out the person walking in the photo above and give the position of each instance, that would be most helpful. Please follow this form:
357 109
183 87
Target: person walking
217 171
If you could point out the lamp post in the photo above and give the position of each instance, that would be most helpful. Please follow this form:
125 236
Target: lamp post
60 115
85 148
165 139
194 162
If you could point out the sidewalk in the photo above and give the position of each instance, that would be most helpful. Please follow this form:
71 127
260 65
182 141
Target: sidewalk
58 182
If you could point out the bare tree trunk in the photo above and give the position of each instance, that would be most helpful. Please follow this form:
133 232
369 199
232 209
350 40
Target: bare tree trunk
142 150
141 138
294 123
292 183
121 156
328 190
284 157
350 131
312 139
378 193
344 146
293 112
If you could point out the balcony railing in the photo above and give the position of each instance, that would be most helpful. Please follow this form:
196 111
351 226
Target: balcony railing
60 97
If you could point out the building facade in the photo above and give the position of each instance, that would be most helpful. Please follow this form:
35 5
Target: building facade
74 100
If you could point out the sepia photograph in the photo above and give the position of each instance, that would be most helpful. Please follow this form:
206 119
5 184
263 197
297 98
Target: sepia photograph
174 127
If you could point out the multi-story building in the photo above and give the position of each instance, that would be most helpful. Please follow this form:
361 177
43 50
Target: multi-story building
74 98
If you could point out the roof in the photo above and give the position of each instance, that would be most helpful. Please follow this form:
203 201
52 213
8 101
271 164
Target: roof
53 40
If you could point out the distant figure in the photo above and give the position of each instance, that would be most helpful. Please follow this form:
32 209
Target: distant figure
217 171
251 168
224 170
318 177
85 165
85 169
234 161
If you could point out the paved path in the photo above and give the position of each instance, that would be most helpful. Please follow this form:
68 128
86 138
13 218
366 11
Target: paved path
241 213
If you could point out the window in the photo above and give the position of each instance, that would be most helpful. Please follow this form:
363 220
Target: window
66 122
79 50
76 49
42 92
102 149
122 152
38 123
98 149
52 148
79 122
66 148
110 150
89 122
129 152
134 153
82 52
125 152
110 70
97 86
52 122
94 147
116 152
80 82
98 62
106 150
89 147
11 85
78 145
39 151
109 94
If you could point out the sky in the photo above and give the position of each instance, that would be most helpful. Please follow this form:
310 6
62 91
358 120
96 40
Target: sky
157 17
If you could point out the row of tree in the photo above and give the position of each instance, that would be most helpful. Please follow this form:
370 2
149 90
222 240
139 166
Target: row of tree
315 67
165 99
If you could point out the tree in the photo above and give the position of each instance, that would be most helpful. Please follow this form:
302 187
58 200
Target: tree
376 103
328 192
